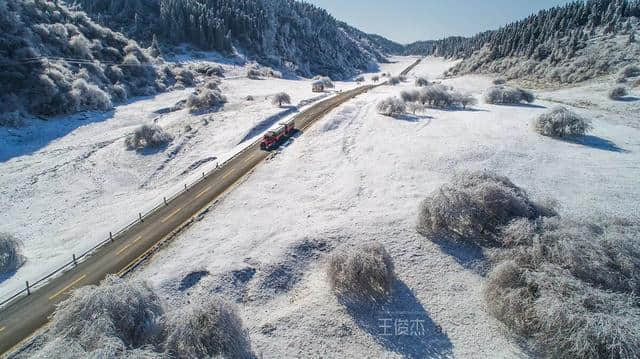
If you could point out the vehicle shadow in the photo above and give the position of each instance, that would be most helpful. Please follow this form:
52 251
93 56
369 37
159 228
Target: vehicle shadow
402 325
596 142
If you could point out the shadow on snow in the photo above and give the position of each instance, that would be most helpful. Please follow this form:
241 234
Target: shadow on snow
402 325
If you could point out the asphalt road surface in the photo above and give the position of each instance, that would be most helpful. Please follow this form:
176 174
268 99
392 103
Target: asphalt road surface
25 315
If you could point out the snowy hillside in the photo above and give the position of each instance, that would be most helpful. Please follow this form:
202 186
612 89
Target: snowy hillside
563 45
287 34
358 176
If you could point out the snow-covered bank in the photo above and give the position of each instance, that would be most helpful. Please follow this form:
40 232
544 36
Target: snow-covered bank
357 176
66 183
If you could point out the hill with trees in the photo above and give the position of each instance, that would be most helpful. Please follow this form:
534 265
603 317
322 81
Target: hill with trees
280 33
565 44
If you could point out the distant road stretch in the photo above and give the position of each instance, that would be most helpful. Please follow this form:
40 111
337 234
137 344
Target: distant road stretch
27 314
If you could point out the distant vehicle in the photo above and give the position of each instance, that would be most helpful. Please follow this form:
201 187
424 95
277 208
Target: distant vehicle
274 137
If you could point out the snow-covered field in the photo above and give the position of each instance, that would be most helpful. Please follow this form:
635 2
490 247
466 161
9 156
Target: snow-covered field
66 183
357 176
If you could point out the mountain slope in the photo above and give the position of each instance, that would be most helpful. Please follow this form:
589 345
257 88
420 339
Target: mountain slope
55 60
283 33
593 38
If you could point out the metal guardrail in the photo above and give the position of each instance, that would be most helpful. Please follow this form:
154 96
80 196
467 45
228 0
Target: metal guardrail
30 287
114 236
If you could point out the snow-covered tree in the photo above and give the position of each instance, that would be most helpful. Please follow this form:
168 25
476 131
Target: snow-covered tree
281 98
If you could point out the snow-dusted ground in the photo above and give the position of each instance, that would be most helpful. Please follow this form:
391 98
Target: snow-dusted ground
357 176
66 183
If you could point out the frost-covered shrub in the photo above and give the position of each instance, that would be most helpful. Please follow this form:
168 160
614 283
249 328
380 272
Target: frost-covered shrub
115 313
574 289
280 98
499 81
395 80
253 74
410 96
212 85
630 71
474 208
618 93
391 106
147 136
414 107
274 74
11 257
436 96
375 78
207 329
205 99
249 98
464 99
89 96
360 79
508 95
361 273
12 119
561 122
326 81
422 81
186 77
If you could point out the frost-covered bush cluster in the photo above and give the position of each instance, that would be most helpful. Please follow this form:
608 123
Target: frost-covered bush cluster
122 318
359 79
280 98
375 78
208 329
422 81
395 80
56 60
499 81
630 71
594 38
561 122
11 257
475 207
364 272
618 93
391 106
437 96
508 95
206 98
573 288
254 74
279 33
147 136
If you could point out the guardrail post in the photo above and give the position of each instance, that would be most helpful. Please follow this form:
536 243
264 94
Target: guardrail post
111 236
75 263
28 290
202 174
140 216
165 201
185 186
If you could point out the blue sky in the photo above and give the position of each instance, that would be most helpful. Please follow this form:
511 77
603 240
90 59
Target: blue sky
406 21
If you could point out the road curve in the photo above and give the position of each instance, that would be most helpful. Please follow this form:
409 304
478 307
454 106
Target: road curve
24 316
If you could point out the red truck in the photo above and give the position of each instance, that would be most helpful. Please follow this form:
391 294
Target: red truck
274 137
